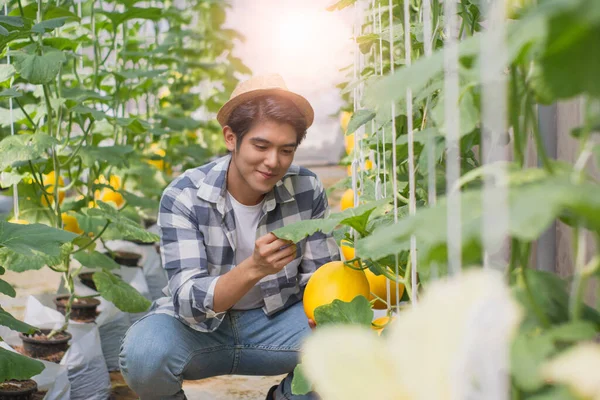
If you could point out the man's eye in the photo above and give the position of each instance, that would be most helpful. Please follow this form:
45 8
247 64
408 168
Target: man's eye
261 147
288 152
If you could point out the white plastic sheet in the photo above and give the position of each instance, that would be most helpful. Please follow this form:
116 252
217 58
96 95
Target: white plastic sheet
84 360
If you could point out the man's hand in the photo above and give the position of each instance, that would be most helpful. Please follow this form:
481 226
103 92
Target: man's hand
272 254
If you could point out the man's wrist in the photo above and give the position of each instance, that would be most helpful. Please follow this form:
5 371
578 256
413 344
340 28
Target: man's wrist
251 269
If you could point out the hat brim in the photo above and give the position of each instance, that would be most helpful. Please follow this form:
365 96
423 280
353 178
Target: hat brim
303 105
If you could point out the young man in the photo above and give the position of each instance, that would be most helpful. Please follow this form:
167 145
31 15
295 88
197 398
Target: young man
235 289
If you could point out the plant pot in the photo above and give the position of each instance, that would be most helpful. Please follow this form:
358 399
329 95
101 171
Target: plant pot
87 279
148 222
82 309
39 346
126 258
17 390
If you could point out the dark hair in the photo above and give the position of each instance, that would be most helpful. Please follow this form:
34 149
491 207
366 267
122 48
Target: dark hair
269 107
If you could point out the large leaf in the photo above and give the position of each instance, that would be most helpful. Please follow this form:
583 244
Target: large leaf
568 65
359 118
16 366
36 260
135 125
358 311
38 69
299 230
95 259
125 297
468 114
48 25
117 18
24 147
528 353
24 239
10 93
114 155
300 384
128 228
6 72
533 207
12 323
7 289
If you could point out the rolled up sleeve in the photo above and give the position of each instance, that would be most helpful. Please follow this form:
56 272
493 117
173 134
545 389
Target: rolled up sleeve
184 258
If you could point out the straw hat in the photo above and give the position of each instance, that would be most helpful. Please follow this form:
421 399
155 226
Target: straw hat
260 86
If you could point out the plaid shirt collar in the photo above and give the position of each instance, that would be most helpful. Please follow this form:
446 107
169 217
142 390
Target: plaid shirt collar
214 188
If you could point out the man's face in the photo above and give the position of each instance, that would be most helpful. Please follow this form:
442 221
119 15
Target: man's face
260 160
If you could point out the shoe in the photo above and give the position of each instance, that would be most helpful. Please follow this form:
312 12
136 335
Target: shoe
271 393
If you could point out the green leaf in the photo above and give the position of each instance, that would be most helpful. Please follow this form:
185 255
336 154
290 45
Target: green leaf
574 331
17 22
135 125
299 230
117 18
80 95
10 93
554 393
19 262
7 289
24 239
125 297
12 323
113 155
359 118
128 228
137 201
568 67
89 112
7 71
95 259
469 115
358 311
528 353
300 384
24 147
48 25
53 12
16 366
37 69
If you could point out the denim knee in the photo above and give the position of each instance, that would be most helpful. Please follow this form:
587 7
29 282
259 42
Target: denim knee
144 361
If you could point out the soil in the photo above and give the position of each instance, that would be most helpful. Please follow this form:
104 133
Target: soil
41 347
55 358
39 395
17 386
126 258
82 310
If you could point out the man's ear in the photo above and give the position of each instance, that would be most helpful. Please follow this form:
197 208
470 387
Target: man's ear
230 138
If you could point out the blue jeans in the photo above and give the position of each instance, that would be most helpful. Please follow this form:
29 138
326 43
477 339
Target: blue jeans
159 352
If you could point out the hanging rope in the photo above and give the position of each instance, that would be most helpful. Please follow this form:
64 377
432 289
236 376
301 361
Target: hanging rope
12 126
452 116
412 205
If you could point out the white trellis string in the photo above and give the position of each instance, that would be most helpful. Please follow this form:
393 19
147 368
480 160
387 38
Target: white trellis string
354 108
494 60
383 126
452 116
394 156
12 126
427 38
412 204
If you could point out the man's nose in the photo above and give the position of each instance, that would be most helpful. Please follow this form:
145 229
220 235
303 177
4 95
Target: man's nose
272 159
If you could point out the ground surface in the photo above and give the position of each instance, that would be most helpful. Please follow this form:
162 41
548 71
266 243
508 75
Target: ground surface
233 387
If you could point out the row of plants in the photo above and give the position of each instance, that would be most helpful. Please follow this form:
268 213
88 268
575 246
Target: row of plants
546 321
101 104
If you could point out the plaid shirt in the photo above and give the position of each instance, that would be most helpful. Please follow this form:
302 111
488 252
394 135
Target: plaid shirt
197 240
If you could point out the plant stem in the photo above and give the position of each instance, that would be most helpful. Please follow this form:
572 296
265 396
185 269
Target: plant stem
542 318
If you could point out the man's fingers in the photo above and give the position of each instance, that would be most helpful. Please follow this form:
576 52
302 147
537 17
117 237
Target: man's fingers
284 261
275 246
283 254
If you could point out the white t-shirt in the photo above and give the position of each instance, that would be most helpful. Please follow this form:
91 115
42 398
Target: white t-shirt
246 223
